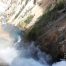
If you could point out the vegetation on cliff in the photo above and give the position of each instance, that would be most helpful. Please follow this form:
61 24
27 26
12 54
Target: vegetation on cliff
46 19
23 23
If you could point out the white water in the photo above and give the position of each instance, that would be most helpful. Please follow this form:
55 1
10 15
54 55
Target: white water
16 52
61 63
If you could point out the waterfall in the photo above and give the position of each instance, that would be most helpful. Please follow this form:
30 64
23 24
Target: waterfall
15 52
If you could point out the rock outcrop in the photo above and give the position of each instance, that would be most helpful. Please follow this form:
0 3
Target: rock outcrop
50 32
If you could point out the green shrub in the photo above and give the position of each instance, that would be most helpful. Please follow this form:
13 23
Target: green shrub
28 20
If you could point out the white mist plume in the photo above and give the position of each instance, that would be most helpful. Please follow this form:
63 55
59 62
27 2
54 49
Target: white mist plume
18 54
61 63
22 54
27 62
8 54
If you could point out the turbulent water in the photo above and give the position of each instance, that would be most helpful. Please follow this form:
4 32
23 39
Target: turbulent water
16 52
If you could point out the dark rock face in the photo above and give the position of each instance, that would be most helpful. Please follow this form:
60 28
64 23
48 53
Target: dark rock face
51 44
53 41
50 32
51 37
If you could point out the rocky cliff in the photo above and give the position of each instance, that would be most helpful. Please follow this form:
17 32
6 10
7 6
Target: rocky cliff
50 30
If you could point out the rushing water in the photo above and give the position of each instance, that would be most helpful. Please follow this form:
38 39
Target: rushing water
16 52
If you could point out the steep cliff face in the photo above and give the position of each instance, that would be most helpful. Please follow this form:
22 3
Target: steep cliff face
50 30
